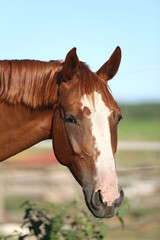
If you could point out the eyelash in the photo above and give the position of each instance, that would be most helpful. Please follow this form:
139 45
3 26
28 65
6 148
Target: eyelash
70 119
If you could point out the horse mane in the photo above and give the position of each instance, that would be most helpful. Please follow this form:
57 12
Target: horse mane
35 83
30 82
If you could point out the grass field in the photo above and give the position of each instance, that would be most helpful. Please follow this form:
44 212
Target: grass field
140 122
141 111
133 129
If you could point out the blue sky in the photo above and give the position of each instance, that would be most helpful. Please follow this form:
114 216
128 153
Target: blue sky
44 30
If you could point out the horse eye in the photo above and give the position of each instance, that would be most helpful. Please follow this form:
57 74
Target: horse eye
119 118
70 119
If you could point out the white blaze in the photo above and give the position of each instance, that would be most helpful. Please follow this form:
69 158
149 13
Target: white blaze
106 178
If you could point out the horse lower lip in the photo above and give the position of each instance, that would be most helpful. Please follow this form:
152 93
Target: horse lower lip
103 212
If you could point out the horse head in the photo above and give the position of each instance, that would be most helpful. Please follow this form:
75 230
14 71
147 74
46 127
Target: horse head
85 131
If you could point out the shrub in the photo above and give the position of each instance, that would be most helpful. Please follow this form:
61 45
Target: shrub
53 222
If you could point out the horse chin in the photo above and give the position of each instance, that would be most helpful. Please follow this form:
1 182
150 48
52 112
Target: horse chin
100 209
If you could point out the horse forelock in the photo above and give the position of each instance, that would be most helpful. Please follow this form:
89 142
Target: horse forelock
87 82
29 82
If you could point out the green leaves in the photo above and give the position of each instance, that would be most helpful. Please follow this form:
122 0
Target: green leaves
70 222
123 211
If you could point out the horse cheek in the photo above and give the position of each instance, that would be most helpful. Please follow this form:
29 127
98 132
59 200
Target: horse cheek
75 139
61 147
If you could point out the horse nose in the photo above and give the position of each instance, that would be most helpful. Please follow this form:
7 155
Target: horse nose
119 201
101 209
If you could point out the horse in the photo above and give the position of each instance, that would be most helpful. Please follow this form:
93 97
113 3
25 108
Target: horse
66 102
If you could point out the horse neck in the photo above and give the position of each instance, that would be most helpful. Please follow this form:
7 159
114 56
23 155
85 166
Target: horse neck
29 82
22 127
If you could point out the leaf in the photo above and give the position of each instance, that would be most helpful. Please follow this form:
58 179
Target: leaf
124 209
22 237
103 229
68 222
89 227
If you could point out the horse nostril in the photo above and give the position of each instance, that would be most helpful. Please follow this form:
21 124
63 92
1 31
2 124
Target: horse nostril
100 197
97 200
118 202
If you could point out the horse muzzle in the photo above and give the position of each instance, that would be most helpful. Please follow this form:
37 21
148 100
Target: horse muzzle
99 208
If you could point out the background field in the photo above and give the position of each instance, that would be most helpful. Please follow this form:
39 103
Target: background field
140 122
141 170
138 173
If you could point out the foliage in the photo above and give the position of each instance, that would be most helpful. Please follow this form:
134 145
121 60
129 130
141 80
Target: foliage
71 222
123 211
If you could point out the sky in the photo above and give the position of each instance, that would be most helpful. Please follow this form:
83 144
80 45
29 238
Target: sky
48 29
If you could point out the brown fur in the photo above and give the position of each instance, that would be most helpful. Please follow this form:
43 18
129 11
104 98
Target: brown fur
36 96
32 83
86 82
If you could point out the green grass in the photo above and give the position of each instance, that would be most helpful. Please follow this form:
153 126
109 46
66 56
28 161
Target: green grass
140 122
141 111
144 212
139 129
14 203
147 232
141 224
126 159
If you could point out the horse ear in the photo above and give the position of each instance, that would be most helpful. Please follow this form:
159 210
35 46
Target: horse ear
70 64
109 69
